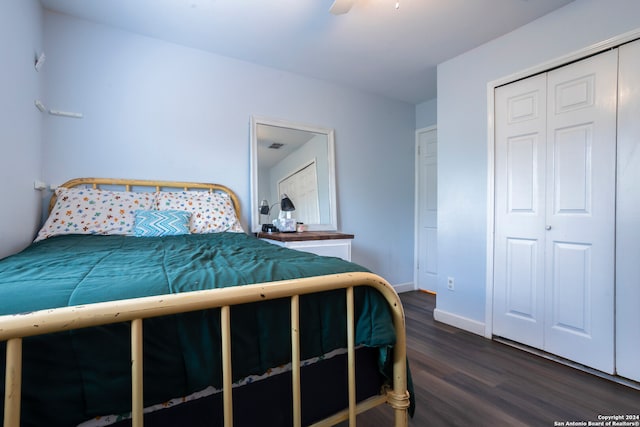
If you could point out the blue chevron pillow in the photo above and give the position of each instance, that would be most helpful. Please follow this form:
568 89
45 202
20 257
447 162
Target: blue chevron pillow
153 223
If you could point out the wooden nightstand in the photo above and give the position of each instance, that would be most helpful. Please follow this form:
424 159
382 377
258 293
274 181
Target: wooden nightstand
326 243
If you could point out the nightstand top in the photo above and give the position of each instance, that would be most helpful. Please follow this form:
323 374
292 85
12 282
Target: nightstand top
304 236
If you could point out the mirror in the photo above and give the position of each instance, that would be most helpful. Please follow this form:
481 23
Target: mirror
296 160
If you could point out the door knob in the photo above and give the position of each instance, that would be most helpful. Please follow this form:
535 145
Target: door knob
548 227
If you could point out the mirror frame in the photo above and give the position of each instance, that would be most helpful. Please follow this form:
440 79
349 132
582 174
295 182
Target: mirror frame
332 225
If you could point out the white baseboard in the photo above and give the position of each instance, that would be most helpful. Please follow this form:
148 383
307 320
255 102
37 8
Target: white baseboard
404 287
467 324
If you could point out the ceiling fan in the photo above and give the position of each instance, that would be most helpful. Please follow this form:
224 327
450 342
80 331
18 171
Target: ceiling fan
340 7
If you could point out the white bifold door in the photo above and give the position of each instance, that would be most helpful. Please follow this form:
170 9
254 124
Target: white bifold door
628 215
555 186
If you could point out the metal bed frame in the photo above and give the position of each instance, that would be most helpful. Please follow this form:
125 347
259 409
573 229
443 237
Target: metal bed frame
13 328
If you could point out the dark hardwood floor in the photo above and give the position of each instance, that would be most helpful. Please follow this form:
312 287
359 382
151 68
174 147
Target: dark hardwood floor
462 379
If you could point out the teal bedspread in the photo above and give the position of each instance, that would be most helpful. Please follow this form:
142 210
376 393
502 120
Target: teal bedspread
61 384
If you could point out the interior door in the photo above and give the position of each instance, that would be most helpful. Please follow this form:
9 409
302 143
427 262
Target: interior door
427 239
580 218
628 215
520 144
302 189
555 211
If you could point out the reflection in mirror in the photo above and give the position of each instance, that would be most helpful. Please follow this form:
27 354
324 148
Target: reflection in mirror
297 161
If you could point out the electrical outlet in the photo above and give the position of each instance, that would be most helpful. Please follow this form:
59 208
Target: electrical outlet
450 283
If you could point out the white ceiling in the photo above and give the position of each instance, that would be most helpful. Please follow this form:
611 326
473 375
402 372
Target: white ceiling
375 47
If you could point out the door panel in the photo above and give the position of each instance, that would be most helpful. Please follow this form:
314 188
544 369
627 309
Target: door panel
572 178
574 94
522 191
580 219
570 288
521 279
427 271
628 215
518 299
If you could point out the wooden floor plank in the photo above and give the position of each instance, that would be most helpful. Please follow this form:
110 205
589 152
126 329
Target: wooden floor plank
462 379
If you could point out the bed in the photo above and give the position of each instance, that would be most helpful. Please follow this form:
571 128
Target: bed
145 302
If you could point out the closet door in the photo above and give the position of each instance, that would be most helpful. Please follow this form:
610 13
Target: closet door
628 215
518 304
555 211
580 205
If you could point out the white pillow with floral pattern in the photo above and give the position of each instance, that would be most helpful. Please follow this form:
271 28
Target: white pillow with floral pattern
210 212
94 211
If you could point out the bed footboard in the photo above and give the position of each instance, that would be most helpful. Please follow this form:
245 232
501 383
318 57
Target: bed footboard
15 327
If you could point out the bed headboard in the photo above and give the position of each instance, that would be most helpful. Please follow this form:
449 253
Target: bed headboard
146 185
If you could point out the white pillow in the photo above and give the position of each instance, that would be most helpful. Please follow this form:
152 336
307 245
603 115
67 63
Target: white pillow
210 212
90 211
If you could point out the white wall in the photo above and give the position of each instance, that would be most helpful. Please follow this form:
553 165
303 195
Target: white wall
20 123
162 111
462 136
427 113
